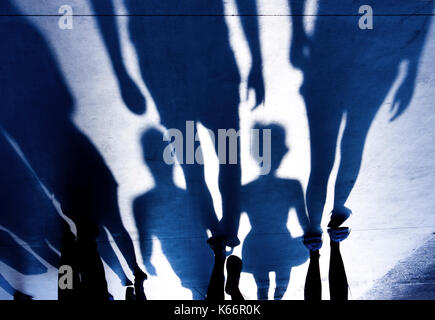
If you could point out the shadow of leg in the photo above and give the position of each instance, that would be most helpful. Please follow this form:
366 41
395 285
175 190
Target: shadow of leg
262 282
282 281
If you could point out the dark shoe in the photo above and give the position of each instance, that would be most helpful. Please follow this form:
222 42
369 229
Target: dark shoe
338 217
232 242
218 245
139 275
338 234
139 278
127 282
313 241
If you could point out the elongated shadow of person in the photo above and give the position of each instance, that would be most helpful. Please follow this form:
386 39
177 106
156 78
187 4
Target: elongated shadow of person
192 75
349 72
164 213
36 114
27 212
269 246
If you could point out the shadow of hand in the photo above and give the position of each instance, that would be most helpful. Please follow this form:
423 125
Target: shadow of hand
256 82
132 96
300 51
403 97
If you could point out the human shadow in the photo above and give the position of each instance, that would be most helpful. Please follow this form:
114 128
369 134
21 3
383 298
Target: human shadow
349 72
269 246
26 211
36 114
164 213
188 66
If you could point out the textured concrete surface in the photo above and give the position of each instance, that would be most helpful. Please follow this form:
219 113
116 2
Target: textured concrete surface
412 278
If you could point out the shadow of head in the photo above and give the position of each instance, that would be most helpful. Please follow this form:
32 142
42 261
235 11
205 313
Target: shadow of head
272 140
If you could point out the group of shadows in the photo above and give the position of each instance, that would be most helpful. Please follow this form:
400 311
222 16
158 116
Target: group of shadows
162 212
53 179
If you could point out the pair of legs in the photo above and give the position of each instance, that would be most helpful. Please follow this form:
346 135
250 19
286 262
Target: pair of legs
229 187
73 170
324 125
217 288
136 293
263 283
338 285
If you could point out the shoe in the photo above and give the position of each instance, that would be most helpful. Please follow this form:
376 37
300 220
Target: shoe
139 275
313 241
338 234
232 242
218 245
338 217
234 268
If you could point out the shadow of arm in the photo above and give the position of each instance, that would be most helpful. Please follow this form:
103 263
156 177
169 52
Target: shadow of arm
299 205
300 42
412 54
106 19
249 19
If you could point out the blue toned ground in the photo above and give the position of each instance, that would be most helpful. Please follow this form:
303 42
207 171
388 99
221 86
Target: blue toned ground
390 251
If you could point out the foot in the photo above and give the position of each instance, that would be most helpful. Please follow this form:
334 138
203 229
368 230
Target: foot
338 234
217 244
338 217
234 267
127 282
139 275
232 242
313 241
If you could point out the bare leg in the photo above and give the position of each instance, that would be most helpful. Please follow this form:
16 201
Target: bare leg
234 268
129 294
313 284
139 278
338 286
215 291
